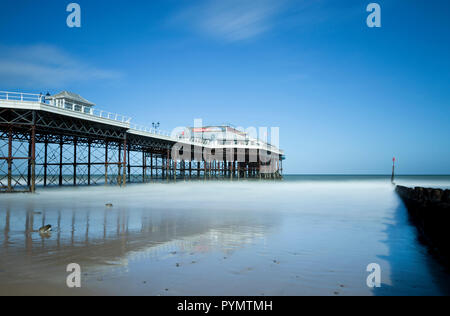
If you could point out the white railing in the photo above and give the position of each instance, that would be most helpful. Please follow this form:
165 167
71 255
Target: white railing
17 96
39 98
154 131
250 143
110 116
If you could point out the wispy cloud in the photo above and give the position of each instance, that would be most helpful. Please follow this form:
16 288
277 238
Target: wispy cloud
232 20
46 65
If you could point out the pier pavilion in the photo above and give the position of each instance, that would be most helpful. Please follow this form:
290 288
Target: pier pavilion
66 140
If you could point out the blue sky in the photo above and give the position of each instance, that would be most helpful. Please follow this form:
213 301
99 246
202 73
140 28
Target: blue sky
345 97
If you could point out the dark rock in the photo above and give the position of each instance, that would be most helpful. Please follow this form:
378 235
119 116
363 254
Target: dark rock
429 210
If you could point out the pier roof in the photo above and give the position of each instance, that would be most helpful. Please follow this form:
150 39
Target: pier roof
71 97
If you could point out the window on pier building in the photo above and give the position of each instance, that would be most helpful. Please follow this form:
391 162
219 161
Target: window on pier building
71 101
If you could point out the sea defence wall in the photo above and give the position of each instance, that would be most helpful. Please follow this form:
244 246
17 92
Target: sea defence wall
430 212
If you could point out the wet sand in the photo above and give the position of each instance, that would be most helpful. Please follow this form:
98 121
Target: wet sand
302 236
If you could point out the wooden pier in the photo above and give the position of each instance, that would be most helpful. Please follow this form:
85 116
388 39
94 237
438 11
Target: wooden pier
64 140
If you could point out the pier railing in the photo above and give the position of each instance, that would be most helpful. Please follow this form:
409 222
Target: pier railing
18 96
146 129
41 99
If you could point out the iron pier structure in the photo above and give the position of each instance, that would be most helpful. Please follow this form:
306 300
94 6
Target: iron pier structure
68 142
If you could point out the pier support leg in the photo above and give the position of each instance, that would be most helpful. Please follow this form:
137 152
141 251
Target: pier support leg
151 165
198 169
45 160
33 159
168 164
89 163
75 162
232 169
106 163
163 164
129 165
144 166
10 160
119 166
29 164
156 167
174 169
204 169
259 168
124 177
190 169
61 144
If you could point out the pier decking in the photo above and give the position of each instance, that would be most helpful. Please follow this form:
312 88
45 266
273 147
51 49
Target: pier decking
61 143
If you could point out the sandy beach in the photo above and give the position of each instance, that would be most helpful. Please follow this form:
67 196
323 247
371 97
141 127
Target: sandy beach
301 236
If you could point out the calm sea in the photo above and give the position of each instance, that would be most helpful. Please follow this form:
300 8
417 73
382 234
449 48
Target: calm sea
305 235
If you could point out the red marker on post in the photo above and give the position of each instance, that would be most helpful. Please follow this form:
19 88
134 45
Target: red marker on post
393 170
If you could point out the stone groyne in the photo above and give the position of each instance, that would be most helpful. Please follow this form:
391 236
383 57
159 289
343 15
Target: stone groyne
430 212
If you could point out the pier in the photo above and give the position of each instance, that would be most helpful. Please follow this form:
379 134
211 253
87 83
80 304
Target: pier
65 140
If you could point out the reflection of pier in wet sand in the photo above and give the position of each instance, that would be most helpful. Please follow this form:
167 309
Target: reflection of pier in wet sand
109 238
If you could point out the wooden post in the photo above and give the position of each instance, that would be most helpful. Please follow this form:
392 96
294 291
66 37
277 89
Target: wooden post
393 170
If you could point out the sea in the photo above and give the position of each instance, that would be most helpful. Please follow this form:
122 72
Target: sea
303 235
